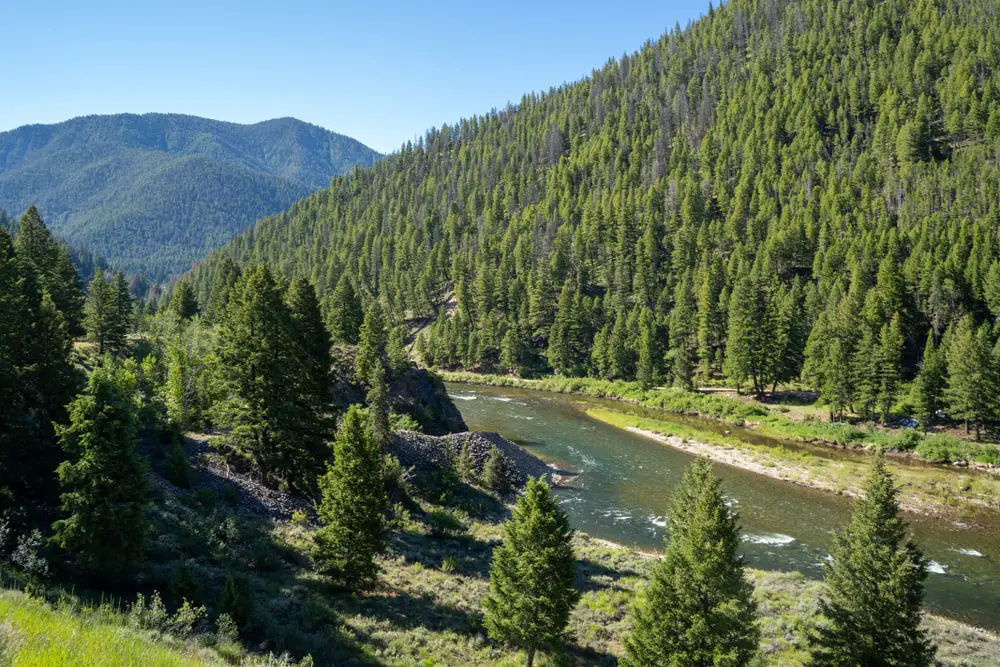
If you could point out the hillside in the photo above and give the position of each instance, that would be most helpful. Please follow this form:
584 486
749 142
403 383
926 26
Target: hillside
152 193
783 191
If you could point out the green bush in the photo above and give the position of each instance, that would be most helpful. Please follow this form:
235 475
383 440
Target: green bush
905 441
443 523
940 449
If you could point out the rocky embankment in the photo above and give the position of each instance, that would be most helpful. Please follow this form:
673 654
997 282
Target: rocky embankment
428 452
416 392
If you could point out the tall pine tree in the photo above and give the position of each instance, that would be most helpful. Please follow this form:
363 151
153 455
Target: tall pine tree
103 484
874 587
353 507
531 577
698 609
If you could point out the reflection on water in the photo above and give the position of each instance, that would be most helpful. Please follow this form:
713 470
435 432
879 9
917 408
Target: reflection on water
624 483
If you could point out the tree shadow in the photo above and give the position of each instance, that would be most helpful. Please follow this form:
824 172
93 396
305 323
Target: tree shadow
593 576
470 557
406 611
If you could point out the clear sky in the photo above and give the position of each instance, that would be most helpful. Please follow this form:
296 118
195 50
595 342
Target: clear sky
381 72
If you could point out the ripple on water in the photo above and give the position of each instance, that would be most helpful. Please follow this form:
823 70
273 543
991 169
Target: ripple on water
465 397
618 515
935 567
969 552
770 539
657 521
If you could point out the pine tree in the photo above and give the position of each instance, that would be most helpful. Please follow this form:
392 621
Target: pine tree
513 349
969 357
53 268
531 577
465 465
312 343
495 472
353 507
930 383
683 334
263 374
566 336
874 586
378 409
699 608
226 276
890 366
371 343
648 370
748 335
103 484
184 303
123 316
345 312
101 312
36 378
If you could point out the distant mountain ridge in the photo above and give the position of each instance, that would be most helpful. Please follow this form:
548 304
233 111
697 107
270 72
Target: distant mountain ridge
154 192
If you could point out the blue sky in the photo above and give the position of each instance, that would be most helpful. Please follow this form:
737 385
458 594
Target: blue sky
382 72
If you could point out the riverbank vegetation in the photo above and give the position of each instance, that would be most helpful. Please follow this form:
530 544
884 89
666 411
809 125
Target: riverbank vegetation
926 489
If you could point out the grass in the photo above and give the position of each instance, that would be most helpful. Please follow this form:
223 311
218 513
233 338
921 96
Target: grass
34 633
425 613
924 489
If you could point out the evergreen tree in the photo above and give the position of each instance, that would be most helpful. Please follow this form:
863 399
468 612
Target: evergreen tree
101 313
314 384
890 365
699 608
53 268
748 335
683 334
495 472
531 576
103 484
371 343
648 371
226 276
513 350
345 312
969 357
184 303
930 383
874 586
353 507
271 403
566 335
123 318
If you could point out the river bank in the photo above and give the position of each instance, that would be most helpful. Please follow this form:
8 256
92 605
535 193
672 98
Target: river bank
771 421
943 491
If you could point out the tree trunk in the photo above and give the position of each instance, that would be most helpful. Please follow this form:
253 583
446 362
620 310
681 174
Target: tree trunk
531 656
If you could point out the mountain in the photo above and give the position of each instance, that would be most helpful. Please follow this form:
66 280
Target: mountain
152 193
784 190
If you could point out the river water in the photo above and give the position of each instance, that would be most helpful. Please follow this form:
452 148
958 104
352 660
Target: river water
623 485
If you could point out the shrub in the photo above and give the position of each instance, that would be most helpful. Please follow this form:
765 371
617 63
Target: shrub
443 523
905 441
940 449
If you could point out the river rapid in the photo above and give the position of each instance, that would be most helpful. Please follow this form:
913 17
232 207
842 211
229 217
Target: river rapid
623 481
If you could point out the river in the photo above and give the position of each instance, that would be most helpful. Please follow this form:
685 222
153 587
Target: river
624 482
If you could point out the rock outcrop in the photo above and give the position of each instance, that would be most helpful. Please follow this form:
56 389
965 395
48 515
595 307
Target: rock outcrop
426 452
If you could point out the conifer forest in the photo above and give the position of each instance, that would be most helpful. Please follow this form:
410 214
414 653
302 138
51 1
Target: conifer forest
693 361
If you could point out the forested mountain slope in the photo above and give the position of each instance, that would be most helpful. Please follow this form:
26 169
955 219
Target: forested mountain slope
152 193
784 189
